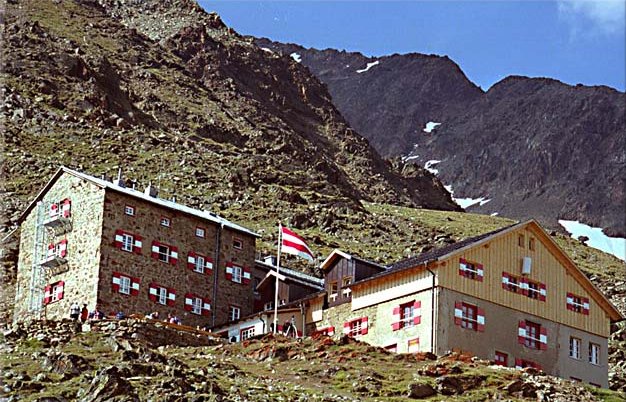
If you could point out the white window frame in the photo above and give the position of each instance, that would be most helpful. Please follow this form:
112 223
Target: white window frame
165 221
268 306
128 242
200 264
246 333
234 313
356 327
196 305
237 273
125 284
594 353
162 295
237 244
200 232
129 210
408 314
574 347
164 256
55 293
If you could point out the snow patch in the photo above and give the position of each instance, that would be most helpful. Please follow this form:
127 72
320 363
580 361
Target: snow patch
494 214
408 158
369 65
468 202
267 49
597 238
430 126
296 57
429 166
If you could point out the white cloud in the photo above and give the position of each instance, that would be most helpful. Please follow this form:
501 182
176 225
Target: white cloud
593 16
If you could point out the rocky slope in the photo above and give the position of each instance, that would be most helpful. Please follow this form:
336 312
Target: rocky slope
119 362
535 147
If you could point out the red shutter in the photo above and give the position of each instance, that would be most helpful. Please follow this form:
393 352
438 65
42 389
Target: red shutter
54 209
152 295
67 204
346 327
206 306
246 276
505 283
134 286
155 250
115 282
364 325
191 260
521 333
524 288
171 300
229 271
60 285
47 294
117 242
397 314
518 363
50 252
543 331
63 248
417 308
137 244
480 318
458 306
568 304
173 255
480 275
542 292
585 301
189 301
208 266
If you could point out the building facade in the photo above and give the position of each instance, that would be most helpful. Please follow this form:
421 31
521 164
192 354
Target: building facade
88 240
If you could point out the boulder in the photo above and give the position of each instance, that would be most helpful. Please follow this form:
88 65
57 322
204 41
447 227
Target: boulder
420 391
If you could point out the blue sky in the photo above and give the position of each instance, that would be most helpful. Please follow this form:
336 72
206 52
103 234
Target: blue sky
581 41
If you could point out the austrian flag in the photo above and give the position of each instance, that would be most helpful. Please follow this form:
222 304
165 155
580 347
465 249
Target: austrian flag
294 244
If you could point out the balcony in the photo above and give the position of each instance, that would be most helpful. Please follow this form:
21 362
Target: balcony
52 261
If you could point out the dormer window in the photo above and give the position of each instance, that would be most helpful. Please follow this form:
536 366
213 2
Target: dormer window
165 221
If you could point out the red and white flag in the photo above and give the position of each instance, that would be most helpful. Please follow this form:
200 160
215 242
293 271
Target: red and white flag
294 244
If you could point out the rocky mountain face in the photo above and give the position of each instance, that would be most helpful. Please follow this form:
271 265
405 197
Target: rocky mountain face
535 147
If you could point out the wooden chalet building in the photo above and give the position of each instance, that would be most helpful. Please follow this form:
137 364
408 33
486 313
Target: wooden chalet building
89 240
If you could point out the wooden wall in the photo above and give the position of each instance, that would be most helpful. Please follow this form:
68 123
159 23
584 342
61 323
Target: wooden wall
504 254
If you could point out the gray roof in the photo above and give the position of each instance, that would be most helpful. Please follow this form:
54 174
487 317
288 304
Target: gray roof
139 194
312 280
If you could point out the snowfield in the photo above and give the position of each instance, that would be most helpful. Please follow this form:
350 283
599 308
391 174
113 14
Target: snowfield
597 238
430 126
429 166
296 57
369 65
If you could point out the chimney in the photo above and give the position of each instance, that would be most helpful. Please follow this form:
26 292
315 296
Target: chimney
151 190
270 260
119 181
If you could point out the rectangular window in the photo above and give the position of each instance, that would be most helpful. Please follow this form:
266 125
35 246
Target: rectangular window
501 359
392 348
129 210
128 241
237 244
531 244
57 291
471 270
332 290
234 313
414 345
345 283
356 327
196 305
246 333
533 290
574 347
237 273
200 263
162 295
577 303
200 232
268 306
594 353
125 285
532 335
163 253
165 221
520 240
469 316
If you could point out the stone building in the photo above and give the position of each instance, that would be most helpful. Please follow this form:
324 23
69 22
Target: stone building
89 240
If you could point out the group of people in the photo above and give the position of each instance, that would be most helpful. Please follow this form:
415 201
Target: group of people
82 314
172 319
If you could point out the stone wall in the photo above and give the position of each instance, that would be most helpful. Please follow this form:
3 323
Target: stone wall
83 241
181 234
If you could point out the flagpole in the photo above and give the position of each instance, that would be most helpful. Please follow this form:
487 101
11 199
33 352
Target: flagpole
280 243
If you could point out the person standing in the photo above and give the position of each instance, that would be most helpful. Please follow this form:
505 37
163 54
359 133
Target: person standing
84 313
74 311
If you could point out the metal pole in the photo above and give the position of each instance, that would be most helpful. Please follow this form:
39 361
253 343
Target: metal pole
280 231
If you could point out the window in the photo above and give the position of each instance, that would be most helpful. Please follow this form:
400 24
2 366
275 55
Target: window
407 315
513 284
520 240
125 285
234 313
524 286
237 244
127 242
522 364
200 232
577 303
531 244
356 327
532 335
345 283
533 290
268 306
196 305
237 273
594 353
414 345
327 331
246 333
165 222
501 359
57 292
469 316
392 348
200 263
163 253
162 295
574 347
129 210
333 289
471 270
255 283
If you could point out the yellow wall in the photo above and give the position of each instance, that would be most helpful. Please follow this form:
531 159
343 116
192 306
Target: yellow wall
504 254
391 287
